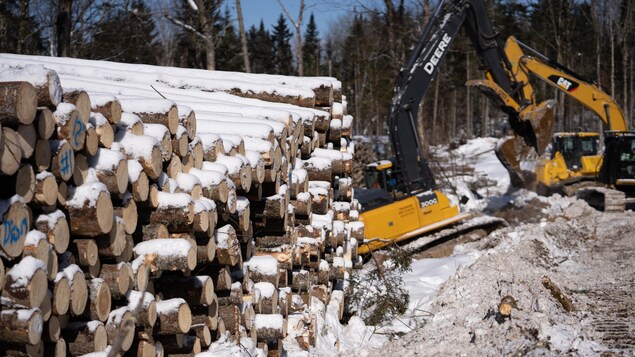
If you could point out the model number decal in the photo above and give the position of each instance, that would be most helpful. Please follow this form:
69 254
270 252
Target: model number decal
426 200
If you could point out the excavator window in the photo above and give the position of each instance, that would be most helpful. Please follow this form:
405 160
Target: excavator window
381 178
627 159
373 178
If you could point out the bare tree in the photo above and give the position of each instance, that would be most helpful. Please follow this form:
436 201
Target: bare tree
243 36
64 24
298 33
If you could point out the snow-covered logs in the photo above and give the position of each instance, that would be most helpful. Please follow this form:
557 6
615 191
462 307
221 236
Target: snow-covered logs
196 217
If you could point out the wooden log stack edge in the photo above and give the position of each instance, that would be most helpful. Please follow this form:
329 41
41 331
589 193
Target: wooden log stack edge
155 226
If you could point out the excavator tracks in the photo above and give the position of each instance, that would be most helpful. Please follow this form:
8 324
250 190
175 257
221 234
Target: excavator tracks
603 199
485 223
608 302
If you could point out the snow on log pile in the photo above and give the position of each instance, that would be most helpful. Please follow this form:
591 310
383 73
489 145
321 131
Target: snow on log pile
158 226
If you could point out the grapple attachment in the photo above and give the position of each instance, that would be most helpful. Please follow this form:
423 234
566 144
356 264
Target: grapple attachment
533 132
542 120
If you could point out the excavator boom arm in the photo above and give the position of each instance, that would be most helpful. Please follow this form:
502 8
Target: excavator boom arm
588 94
413 81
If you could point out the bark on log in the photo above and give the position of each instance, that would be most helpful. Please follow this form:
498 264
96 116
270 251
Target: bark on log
232 297
86 217
144 305
196 290
167 254
36 246
230 315
63 161
120 328
111 169
18 103
25 283
103 129
174 316
318 168
139 183
143 148
21 326
153 231
180 142
166 112
81 101
178 217
130 123
11 152
127 210
106 105
69 126
212 146
118 277
85 252
85 337
270 327
16 223
187 118
214 184
268 298
227 246
55 226
111 245
264 269
162 135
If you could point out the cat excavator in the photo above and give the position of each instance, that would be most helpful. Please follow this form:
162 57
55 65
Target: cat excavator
401 200
572 160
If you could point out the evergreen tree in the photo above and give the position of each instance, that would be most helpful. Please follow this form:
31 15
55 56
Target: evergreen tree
19 32
192 49
283 59
124 36
260 50
228 50
311 49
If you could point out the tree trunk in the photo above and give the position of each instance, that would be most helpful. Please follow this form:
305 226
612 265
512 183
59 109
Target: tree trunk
468 100
435 111
243 37
64 24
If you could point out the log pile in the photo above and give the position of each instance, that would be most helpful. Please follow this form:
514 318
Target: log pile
157 226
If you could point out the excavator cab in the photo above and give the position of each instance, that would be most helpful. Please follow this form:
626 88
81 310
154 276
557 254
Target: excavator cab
579 150
619 172
380 175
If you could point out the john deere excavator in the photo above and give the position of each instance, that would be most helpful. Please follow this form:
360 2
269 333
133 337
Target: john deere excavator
401 201
572 160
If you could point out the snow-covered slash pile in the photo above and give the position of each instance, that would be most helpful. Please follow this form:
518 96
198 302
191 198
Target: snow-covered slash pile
585 254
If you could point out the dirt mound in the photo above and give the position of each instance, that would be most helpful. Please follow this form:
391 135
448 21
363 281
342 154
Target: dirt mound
588 258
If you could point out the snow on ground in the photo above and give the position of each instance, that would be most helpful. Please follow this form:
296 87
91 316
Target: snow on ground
454 300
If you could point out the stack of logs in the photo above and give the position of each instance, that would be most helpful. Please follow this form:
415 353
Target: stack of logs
128 222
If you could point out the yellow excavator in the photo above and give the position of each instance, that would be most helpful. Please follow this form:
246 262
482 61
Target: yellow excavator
401 200
572 160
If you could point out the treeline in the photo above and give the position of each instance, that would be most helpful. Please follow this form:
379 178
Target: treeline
364 48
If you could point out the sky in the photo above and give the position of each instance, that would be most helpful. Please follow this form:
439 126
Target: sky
325 12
